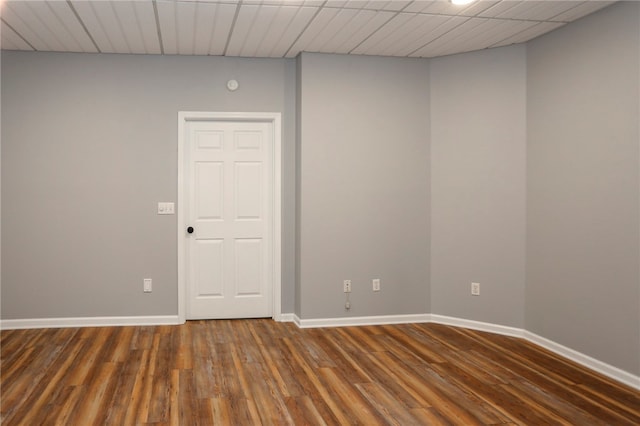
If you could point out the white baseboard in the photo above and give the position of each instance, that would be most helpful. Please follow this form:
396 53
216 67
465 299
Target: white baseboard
573 355
477 325
589 362
585 360
351 321
285 318
88 322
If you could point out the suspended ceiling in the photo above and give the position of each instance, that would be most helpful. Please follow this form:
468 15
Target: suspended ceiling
280 28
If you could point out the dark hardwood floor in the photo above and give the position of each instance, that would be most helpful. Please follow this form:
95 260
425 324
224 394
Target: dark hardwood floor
251 372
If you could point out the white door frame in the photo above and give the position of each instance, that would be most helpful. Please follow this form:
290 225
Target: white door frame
266 117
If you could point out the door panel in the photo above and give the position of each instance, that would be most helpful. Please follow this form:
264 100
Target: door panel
208 186
248 190
248 261
229 175
210 274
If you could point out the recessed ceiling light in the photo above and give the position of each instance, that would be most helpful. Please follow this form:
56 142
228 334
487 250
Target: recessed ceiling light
461 2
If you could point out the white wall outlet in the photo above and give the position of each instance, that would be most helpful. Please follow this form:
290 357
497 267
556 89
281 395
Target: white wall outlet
475 289
166 208
376 284
347 286
147 285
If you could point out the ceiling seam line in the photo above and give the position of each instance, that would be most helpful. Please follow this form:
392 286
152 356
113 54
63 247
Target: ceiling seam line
84 27
497 43
305 28
122 31
18 34
158 30
437 38
497 18
253 21
233 26
277 43
46 27
379 28
568 10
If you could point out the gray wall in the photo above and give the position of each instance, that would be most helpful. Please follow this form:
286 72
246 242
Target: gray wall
478 145
382 179
89 148
364 185
583 282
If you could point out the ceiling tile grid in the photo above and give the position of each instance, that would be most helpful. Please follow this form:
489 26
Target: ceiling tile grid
280 28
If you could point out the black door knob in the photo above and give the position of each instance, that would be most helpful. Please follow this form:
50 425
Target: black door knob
190 229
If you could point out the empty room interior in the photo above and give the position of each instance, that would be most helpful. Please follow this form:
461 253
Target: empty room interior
320 212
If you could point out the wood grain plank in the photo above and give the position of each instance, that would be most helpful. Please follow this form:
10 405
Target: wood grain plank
248 372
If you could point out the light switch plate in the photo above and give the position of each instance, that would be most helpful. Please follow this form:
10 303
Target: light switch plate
166 208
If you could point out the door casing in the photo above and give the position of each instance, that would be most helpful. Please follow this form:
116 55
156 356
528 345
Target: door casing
275 119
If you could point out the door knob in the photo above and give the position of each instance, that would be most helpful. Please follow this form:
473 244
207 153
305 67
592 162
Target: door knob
190 230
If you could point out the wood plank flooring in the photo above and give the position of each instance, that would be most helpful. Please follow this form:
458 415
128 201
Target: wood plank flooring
252 372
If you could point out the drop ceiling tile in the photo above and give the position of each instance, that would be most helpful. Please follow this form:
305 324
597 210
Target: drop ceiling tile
314 29
281 28
415 29
581 9
352 37
168 26
20 18
532 10
185 17
213 23
499 8
127 16
253 23
393 29
88 17
276 31
296 26
433 28
317 3
446 8
488 34
30 25
529 33
52 27
418 6
326 39
12 41
375 5
146 18
70 30
443 45
394 5
103 25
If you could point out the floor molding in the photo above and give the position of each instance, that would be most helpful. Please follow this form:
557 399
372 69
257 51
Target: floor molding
88 322
355 321
573 355
592 363
285 318
477 325
585 360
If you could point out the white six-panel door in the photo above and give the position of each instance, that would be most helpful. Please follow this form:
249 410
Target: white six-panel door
229 206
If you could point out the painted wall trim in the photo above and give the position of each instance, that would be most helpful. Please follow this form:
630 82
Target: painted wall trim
573 355
592 363
477 325
355 321
16 324
285 318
